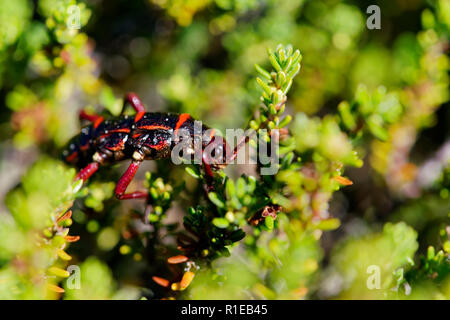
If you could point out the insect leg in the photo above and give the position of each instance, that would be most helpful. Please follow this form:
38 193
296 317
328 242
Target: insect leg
240 144
209 173
94 118
89 117
125 180
136 103
87 172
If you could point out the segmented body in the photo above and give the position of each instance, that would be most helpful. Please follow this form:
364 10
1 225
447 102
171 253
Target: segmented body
150 134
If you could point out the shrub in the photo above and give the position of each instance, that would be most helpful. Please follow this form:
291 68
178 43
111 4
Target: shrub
360 191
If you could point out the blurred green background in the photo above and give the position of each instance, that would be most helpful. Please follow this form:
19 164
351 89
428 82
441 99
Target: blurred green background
198 56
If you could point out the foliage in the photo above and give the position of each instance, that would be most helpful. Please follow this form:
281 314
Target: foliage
360 116
35 239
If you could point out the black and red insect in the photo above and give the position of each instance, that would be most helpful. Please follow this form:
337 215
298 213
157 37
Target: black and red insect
144 136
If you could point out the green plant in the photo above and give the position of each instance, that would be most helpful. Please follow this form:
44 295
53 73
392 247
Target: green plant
359 117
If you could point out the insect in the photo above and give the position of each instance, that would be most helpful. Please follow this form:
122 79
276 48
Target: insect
144 136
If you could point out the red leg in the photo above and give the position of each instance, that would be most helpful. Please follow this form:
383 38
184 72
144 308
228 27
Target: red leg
89 117
94 118
136 103
240 144
87 172
209 173
227 158
125 181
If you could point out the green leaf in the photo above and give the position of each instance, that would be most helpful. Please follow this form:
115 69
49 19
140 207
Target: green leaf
272 109
237 235
281 78
329 224
241 187
286 120
375 124
269 222
346 115
221 223
76 186
192 172
264 86
215 199
230 188
287 86
274 62
263 72
294 71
